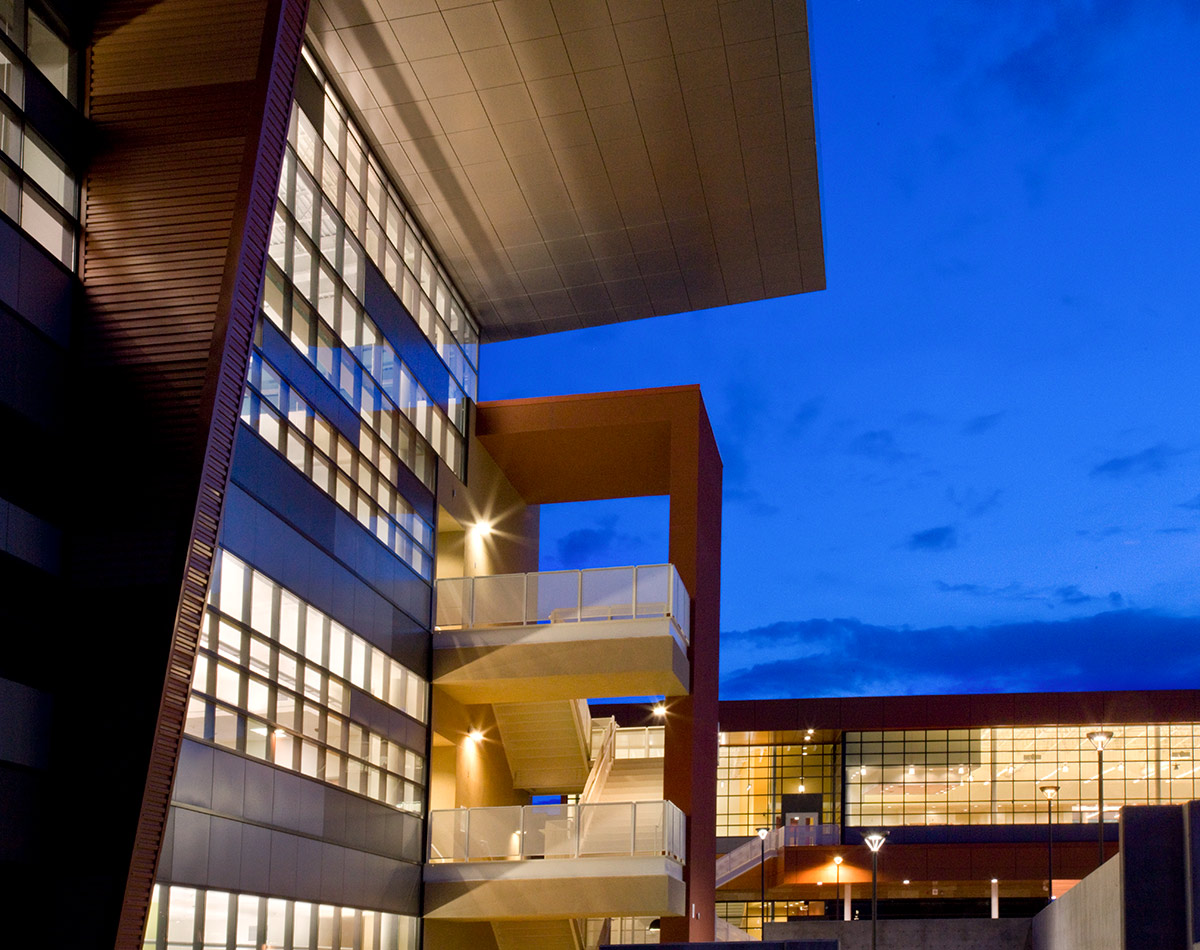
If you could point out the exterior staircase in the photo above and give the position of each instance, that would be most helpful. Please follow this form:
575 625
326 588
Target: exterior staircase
547 744
632 780
537 935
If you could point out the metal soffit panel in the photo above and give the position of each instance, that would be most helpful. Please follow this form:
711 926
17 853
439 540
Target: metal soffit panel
583 162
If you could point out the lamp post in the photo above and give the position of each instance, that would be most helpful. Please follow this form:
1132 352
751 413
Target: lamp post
874 841
1051 793
762 879
1100 738
837 865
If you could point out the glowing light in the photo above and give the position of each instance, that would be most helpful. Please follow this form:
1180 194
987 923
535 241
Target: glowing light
659 710
762 833
482 529
838 859
475 735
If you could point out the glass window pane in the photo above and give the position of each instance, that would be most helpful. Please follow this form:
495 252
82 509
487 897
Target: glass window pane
48 226
50 54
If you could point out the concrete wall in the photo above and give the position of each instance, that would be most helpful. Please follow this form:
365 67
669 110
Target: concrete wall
956 934
1087 917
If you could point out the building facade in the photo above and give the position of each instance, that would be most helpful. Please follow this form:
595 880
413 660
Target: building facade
959 783
280 667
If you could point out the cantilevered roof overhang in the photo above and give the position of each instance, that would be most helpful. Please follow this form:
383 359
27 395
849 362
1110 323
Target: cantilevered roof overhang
584 162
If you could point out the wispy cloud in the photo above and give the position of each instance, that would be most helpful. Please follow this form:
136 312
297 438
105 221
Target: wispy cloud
595 546
878 444
1064 595
1192 504
1149 461
981 424
805 415
1071 654
941 538
972 502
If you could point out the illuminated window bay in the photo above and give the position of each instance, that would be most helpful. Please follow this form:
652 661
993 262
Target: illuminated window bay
189 918
359 477
274 678
993 775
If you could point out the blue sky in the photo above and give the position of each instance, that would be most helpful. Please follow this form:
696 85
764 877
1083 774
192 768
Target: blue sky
982 441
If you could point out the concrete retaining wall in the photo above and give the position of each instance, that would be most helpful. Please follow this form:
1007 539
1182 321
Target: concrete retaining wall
1087 917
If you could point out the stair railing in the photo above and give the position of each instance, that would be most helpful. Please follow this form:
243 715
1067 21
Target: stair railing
602 765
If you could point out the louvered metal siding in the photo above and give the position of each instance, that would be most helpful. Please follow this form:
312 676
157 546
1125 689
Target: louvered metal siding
191 100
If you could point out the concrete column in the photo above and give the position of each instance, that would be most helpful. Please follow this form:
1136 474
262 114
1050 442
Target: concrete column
995 899
845 902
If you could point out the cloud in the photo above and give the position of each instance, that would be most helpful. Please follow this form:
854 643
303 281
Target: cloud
595 546
1071 595
1064 595
1149 461
1179 530
981 424
1192 504
941 538
804 416
972 502
828 657
751 499
877 444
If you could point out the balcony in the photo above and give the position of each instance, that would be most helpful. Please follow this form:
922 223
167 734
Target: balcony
606 632
604 859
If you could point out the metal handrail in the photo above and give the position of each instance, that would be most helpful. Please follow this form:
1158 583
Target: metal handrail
468 829
515 599
603 764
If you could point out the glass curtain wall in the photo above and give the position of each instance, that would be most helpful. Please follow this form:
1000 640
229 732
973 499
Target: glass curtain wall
755 773
188 918
992 776
337 210
38 189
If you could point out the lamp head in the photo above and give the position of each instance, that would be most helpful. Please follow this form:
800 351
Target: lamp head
875 839
762 833
1050 791
659 710
838 859
1100 738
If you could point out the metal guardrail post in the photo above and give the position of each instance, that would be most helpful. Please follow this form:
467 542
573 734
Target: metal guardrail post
634 603
579 597
632 829
521 834
467 838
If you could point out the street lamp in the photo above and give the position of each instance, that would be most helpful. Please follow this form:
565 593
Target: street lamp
1051 793
1100 738
762 878
874 841
837 864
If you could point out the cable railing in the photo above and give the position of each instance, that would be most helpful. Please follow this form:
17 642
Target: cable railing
522 832
545 597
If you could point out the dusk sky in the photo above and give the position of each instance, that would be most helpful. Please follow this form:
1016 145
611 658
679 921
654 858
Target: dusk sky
973 462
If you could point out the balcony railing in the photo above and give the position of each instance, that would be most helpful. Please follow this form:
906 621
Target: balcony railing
520 832
607 593
753 852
